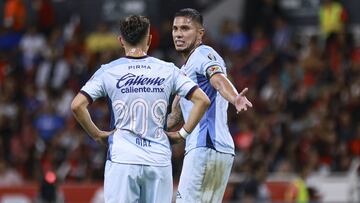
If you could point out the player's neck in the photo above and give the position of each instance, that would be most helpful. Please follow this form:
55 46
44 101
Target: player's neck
187 54
135 52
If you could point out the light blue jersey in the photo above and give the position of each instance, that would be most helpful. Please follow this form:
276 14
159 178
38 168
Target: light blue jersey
138 90
212 130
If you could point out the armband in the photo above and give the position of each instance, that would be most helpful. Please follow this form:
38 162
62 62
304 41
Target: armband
212 70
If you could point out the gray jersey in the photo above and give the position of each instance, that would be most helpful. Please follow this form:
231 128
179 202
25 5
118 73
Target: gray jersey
138 90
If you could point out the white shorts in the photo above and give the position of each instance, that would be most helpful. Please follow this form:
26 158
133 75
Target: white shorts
204 176
130 183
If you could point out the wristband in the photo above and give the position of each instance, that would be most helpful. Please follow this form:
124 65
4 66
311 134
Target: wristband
182 132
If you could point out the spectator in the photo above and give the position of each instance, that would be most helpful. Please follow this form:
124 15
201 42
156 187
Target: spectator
282 34
253 189
312 62
9 176
298 190
48 123
233 38
53 71
32 47
9 40
101 40
332 17
15 15
45 15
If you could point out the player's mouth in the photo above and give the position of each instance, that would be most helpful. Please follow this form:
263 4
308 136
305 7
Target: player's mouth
179 43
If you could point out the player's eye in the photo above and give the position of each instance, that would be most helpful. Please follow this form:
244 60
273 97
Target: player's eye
185 28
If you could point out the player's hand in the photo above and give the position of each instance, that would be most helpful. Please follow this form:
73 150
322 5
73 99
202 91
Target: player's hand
241 102
174 137
102 136
105 134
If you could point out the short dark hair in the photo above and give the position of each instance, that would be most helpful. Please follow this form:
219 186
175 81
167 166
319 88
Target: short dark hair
134 28
190 13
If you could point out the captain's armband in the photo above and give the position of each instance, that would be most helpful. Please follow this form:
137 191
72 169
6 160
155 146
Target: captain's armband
212 70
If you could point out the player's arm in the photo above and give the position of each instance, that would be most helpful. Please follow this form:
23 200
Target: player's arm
222 84
79 108
201 104
175 119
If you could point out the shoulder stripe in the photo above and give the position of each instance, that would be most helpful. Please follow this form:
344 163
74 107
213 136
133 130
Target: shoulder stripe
90 100
191 91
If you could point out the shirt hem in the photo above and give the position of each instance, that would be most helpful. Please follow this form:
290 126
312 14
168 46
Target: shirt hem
140 163
221 151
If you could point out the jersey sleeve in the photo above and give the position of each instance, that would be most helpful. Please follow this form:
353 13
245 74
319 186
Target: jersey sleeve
210 64
183 85
94 88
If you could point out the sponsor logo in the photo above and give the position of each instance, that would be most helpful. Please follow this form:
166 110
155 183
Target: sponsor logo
139 67
178 195
142 89
131 80
128 82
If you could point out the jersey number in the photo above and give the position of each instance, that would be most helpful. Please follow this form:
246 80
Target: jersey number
136 115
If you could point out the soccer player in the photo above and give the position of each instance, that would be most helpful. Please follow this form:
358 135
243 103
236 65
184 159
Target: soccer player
138 87
209 148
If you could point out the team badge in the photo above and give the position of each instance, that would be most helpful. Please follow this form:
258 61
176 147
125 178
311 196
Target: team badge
211 57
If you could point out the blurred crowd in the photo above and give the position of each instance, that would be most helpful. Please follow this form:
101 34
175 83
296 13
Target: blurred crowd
305 91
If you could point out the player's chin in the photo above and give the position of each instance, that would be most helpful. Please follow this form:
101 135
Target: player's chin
180 49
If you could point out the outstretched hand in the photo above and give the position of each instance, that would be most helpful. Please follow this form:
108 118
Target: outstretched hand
241 102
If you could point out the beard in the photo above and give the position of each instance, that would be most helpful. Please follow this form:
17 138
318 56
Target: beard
187 50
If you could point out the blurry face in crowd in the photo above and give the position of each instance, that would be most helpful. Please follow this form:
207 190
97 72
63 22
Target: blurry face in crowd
187 34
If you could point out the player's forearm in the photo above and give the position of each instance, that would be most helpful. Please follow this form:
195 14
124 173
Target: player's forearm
174 121
229 92
196 114
224 87
201 104
82 115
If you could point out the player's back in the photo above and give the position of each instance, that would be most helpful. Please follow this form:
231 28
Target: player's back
138 90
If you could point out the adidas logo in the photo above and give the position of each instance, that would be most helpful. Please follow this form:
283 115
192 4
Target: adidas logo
178 195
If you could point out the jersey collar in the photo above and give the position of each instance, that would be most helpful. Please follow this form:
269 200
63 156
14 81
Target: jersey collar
136 57
192 51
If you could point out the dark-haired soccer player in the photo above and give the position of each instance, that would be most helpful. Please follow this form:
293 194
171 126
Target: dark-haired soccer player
209 147
138 167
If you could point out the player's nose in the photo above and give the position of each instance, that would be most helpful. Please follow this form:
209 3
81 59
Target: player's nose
177 34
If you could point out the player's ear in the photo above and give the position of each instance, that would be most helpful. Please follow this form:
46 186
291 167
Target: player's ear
120 39
149 40
148 43
200 34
